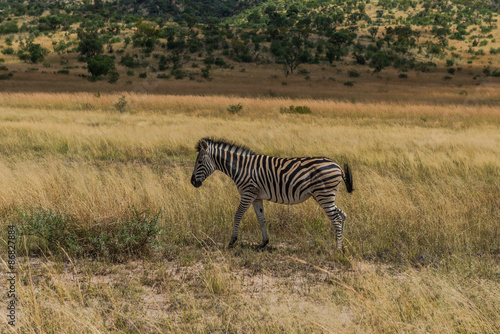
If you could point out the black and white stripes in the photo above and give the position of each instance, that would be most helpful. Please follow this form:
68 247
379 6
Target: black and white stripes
281 180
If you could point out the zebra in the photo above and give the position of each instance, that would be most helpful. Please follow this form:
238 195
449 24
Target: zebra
280 180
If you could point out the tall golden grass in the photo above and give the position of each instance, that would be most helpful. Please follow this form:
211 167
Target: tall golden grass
422 231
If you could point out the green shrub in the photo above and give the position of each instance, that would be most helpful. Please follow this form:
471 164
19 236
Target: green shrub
205 72
178 74
33 53
349 83
403 76
6 76
121 105
129 61
296 110
63 71
234 108
163 76
303 71
115 240
100 65
220 62
8 51
353 74
113 77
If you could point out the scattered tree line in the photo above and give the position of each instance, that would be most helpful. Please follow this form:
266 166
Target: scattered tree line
166 35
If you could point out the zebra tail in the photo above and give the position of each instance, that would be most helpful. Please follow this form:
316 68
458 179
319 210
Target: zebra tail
347 176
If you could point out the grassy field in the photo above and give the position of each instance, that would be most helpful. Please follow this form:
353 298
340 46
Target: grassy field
81 180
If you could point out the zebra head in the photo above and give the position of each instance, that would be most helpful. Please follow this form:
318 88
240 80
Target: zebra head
204 165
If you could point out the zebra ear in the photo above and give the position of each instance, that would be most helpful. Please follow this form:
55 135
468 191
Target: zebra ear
203 144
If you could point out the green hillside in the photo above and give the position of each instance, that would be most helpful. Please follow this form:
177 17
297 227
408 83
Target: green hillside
193 39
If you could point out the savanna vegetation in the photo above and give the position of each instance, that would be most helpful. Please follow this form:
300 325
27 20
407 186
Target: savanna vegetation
101 106
112 233
132 42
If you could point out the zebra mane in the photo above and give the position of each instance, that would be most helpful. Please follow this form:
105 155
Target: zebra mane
225 145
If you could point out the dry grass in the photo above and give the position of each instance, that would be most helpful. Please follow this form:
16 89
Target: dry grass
422 231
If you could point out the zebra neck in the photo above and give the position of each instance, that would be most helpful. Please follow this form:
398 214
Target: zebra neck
227 162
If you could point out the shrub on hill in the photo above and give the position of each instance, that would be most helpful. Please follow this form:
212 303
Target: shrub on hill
100 65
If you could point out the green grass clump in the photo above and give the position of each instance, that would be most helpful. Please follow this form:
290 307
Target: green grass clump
235 108
296 110
115 240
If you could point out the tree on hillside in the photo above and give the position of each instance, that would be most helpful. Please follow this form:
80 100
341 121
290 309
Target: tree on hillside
373 31
100 65
90 45
31 52
145 36
336 45
287 51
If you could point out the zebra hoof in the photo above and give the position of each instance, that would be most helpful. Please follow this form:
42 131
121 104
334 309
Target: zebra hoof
231 243
263 245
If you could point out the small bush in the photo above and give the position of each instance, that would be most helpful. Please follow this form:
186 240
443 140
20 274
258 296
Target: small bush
494 51
205 72
451 70
64 71
220 62
47 230
113 77
121 105
6 76
100 65
447 77
296 110
234 108
403 76
143 75
178 74
349 83
209 60
163 76
353 74
8 51
129 61
3 68
303 71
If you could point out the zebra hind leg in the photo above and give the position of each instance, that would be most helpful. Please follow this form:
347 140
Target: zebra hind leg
339 224
259 211
337 217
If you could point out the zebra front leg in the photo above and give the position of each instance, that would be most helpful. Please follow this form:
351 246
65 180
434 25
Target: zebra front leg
245 202
259 211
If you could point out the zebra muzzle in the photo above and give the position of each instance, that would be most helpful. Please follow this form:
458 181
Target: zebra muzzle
194 182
